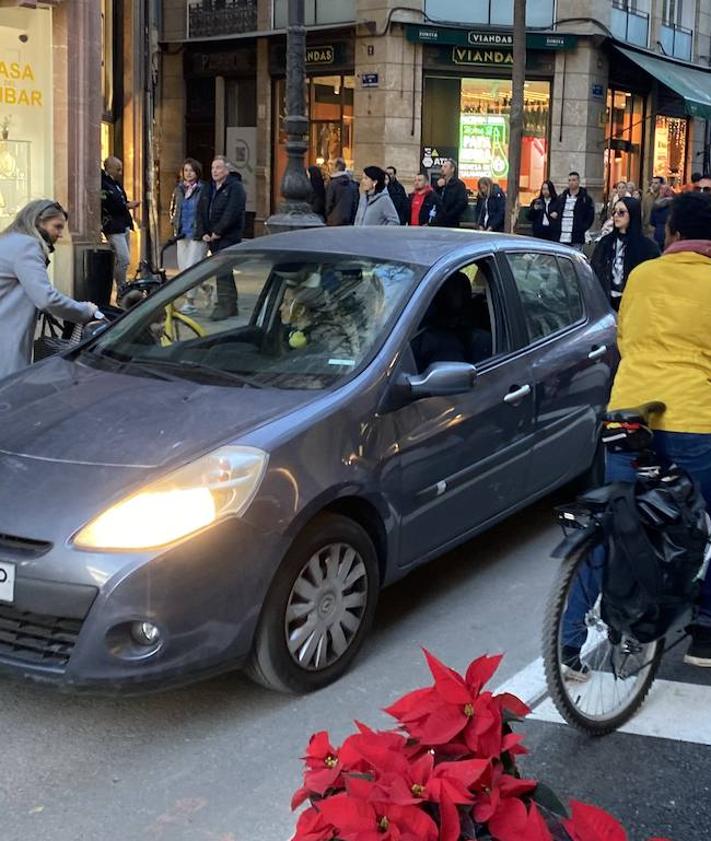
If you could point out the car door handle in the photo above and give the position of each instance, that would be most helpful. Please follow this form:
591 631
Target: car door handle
597 352
517 394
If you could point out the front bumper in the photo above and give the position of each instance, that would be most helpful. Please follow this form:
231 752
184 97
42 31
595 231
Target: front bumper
204 594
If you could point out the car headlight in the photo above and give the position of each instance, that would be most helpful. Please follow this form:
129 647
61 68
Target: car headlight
217 485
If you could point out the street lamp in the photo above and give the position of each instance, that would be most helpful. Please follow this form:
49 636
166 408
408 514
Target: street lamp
295 211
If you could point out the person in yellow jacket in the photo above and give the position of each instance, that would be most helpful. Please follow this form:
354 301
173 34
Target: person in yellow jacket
664 339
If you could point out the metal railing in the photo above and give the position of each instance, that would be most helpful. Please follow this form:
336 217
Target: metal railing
676 41
630 26
221 17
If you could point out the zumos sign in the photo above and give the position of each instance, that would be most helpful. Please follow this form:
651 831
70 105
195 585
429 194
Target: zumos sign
483 146
496 39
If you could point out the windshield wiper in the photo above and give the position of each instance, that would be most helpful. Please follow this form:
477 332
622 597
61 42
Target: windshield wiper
189 365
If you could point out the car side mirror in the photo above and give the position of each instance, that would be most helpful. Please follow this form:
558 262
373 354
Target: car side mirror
441 379
93 328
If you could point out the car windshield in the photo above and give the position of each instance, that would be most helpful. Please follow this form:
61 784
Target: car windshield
262 319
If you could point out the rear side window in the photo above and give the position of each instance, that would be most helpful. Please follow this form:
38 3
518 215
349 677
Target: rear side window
549 291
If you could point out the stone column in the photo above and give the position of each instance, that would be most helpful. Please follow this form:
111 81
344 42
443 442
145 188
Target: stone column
77 128
170 132
264 136
387 120
578 118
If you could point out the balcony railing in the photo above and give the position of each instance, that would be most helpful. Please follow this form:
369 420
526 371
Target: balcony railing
676 41
221 17
630 26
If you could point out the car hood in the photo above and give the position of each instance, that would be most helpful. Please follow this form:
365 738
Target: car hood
63 412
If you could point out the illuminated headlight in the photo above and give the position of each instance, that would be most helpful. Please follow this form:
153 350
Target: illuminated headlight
218 485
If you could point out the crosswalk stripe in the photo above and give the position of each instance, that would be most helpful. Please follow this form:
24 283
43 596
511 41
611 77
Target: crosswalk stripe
676 711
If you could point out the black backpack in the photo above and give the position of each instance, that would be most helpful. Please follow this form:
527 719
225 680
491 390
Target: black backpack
656 533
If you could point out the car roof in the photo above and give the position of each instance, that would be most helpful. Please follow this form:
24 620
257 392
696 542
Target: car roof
408 244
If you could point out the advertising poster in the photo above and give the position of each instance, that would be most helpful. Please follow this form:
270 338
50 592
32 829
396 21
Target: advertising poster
242 152
483 146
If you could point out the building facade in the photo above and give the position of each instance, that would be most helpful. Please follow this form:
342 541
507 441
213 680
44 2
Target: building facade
408 86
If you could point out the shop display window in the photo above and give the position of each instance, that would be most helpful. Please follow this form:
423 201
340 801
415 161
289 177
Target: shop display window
670 138
624 137
330 111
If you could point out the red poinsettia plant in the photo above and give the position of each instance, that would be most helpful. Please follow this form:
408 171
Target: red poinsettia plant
448 773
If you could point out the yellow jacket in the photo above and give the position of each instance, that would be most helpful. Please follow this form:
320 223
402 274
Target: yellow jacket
664 338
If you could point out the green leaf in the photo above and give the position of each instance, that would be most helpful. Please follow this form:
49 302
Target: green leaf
549 800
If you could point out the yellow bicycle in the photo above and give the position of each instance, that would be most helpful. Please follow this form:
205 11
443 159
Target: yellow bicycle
178 327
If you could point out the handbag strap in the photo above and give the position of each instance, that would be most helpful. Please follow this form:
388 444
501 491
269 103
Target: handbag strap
50 326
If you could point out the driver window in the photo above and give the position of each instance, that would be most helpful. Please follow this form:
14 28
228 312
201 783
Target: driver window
458 325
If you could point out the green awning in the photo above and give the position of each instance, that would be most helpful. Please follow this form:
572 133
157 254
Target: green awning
692 85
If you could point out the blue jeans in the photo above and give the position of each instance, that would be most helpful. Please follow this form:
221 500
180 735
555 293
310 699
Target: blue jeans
689 450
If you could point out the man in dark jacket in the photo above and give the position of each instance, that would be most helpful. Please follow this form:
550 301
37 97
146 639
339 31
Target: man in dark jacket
116 219
453 193
425 204
490 206
575 213
341 196
220 223
398 195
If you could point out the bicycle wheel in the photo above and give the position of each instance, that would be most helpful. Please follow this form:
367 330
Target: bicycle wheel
612 675
180 328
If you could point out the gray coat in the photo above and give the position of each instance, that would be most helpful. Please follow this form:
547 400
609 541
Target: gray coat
25 288
376 209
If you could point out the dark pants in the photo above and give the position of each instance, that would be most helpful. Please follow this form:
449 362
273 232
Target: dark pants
690 451
226 287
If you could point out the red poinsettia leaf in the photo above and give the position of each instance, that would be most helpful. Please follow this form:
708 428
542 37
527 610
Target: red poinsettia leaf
313 826
359 786
412 823
512 704
348 814
508 823
481 671
320 781
442 726
449 685
515 786
536 827
450 827
590 823
319 748
467 772
413 706
512 744
300 796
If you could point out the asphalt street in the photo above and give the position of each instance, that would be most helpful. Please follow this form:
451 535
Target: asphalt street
219 761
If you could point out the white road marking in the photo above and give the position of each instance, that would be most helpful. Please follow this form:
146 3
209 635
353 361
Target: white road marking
677 711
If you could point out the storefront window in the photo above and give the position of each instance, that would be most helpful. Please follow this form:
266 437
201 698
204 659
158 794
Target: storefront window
670 135
488 12
25 108
624 138
317 12
330 112
469 119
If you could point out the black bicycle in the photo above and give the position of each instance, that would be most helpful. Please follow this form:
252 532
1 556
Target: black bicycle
601 645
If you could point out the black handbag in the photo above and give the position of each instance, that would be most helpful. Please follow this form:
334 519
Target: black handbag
50 340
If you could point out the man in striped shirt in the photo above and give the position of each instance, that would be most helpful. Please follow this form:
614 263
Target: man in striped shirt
576 212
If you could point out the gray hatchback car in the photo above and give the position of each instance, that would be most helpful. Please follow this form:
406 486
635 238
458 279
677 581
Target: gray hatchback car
238 495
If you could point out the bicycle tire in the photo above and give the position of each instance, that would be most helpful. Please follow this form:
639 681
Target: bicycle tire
180 322
567 695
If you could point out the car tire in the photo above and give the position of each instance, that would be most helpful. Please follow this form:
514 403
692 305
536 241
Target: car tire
319 607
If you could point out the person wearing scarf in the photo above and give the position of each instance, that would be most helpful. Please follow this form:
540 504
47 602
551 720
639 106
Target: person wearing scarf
622 250
183 215
665 348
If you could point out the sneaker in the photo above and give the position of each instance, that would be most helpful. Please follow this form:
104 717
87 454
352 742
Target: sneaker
572 667
221 312
699 653
188 309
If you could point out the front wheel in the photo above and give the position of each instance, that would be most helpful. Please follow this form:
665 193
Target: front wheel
597 678
319 607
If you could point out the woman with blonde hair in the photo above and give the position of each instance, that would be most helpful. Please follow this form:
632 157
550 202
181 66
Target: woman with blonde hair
25 287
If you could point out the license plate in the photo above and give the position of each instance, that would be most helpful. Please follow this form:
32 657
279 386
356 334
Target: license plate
7 582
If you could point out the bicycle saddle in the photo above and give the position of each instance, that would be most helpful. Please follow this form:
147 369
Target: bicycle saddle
639 414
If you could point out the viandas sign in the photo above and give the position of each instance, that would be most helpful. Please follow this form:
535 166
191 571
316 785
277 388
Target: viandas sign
483 146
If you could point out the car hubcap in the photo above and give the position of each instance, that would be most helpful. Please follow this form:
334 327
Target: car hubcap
326 606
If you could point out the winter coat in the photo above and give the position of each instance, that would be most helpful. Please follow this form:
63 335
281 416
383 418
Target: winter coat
176 206
399 198
664 338
583 214
24 289
222 212
537 212
454 202
603 258
376 209
341 199
115 216
658 220
495 203
430 209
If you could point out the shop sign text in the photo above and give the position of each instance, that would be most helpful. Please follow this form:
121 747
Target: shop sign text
12 72
483 146
320 55
481 57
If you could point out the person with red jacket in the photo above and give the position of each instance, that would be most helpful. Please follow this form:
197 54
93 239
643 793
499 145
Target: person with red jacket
425 204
